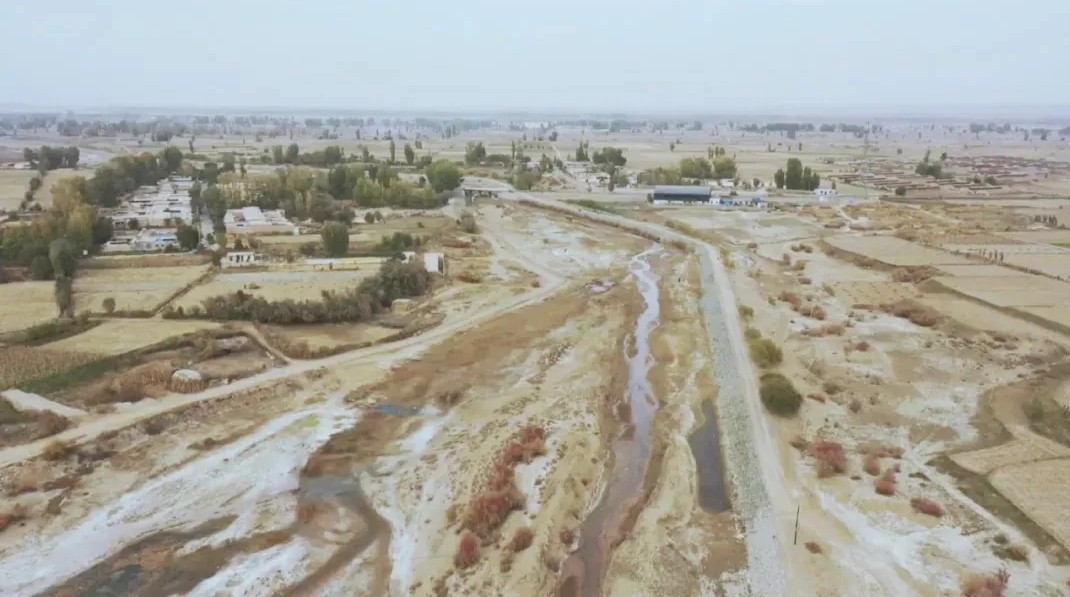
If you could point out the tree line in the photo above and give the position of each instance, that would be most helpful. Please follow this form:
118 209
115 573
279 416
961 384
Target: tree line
373 295
796 177
46 158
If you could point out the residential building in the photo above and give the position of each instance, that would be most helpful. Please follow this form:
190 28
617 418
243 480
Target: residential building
433 262
240 259
252 220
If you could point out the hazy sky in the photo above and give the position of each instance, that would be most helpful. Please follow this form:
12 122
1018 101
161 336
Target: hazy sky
658 55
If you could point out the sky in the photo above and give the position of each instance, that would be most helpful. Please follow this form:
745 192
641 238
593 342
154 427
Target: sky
664 56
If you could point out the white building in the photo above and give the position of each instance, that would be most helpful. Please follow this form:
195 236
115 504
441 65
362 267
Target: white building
825 192
240 259
251 220
433 262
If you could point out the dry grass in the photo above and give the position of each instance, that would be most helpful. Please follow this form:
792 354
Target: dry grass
917 314
25 304
18 512
829 329
130 385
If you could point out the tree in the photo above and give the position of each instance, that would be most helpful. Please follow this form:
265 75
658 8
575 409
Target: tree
779 177
172 159
696 168
293 154
195 198
369 217
474 153
672 146
393 149
991 180
335 239
71 155
581 152
793 177
900 191
724 167
443 175
410 155
64 257
109 305
70 192
210 173
943 156
133 224
64 296
188 237
553 136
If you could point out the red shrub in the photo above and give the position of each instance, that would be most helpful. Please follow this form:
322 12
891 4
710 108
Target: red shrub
927 506
522 539
489 510
872 465
855 406
531 433
831 459
467 551
813 547
994 585
884 486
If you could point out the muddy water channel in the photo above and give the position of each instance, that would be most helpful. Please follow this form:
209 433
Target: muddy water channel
631 450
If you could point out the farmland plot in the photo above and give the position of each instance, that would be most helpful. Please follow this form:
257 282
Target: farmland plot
1042 491
894 251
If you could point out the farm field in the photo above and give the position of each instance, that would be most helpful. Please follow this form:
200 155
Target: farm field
273 286
979 271
119 336
1020 450
1056 265
873 294
1017 291
1052 237
894 251
25 304
1041 490
15 183
19 364
133 289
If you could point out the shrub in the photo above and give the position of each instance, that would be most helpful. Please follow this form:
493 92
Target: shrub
467 552
813 547
467 222
831 388
818 313
884 487
862 346
855 406
751 334
927 506
765 353
992 585
871 464
746 312
469 277
830 456
49 424
56 450
805 280
522 539
792 299
779 395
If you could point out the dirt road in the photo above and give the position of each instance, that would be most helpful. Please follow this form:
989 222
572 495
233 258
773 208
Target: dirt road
551 283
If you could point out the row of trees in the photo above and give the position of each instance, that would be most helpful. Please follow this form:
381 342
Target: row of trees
373 295
48 158
722 167
796 177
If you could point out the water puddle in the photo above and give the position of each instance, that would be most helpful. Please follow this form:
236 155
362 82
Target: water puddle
319 499
583 570
397 410
705 445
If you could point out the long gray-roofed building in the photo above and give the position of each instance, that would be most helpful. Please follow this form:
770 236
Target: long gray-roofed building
696 194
